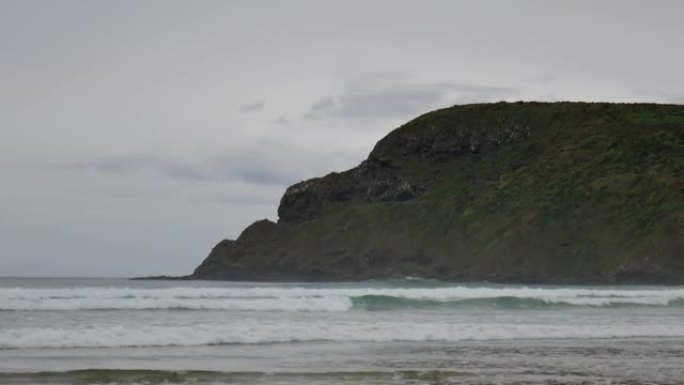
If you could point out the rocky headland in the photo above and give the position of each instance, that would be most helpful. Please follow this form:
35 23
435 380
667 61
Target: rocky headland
505 192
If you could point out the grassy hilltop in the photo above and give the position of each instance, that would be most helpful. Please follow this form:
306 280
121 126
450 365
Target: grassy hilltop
510 192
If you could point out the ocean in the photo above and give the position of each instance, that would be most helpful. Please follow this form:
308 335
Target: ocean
412 331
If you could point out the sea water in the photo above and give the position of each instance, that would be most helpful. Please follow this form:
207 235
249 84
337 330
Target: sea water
78 330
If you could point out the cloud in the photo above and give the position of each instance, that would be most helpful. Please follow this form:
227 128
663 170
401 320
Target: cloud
234 167
322 106
243 199
109 165
264 176
253 107
188 170
283 119
400 100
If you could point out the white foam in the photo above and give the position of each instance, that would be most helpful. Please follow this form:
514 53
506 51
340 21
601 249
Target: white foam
306 298
252 332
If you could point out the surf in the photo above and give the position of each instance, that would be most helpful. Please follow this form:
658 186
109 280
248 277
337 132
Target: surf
333 298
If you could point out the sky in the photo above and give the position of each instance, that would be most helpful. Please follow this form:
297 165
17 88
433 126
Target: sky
135 135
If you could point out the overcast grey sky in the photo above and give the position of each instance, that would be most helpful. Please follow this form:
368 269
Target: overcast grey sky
134 135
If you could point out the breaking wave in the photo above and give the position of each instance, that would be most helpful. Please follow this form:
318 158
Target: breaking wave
79 317
256 332
331 299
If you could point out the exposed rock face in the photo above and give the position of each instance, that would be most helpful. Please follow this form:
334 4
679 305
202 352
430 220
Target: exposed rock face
380 177
523 192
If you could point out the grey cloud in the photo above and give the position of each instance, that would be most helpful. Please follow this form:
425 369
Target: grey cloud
242 200
401 100
283 119
253 107
323 106
107 165
263 176
236 168
184 171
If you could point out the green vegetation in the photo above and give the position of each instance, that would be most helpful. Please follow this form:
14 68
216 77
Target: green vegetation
520 192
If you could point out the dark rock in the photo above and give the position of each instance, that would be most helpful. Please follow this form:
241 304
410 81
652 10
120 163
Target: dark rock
301 202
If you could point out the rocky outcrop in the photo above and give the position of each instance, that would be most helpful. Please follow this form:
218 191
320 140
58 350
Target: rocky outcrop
381 177
519 192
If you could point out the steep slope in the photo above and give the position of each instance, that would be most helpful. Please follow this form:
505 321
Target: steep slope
513 192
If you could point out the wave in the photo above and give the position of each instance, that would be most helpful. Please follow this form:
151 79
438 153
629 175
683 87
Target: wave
331 299
255 331
382 302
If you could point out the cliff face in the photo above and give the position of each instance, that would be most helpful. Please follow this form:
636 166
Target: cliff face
521 192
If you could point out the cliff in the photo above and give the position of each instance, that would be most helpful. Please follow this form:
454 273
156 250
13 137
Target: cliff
507 192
